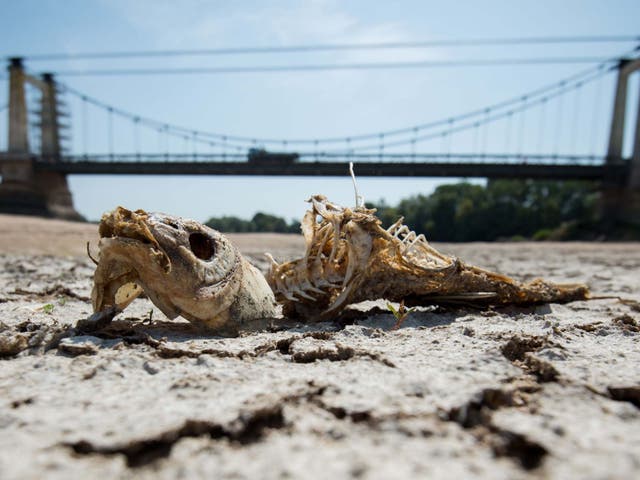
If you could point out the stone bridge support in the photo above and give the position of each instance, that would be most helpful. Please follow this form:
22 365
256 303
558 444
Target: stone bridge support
621 203
24 189
18 192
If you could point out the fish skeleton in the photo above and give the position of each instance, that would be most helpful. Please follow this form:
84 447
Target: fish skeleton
350 258
191 270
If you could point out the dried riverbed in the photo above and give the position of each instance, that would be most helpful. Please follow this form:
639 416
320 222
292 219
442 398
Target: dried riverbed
546 392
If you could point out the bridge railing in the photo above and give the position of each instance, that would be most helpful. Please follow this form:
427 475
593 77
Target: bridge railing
319 157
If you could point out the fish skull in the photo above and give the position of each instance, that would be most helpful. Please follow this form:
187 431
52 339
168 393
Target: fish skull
185 268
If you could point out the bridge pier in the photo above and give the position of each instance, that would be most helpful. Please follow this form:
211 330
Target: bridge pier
18 192
25 190
631 205
620 204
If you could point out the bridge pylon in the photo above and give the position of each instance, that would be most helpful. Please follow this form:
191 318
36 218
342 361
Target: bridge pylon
621 202
24 189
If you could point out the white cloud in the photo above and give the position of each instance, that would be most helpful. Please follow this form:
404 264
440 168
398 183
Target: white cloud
307 22
343 99
171 24
205 24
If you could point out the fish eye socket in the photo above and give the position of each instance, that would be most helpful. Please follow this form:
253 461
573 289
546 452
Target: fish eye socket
202 246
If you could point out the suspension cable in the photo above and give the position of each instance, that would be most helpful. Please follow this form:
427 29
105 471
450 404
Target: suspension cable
559 119
600 69
85 126
521 126
486 119
507 145
110 130
136 136
596 110
335 47
541 129
485 133
576 118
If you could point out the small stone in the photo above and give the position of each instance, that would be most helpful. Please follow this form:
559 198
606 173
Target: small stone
12 343
80 345
150 368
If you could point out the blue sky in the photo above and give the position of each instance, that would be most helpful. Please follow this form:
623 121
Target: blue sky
300 104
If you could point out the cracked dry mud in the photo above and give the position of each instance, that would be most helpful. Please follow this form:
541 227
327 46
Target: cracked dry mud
546 392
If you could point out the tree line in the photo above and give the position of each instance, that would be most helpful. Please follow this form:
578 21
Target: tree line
463 212
500 210
261 222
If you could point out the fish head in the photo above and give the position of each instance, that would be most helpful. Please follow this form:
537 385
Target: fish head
184 267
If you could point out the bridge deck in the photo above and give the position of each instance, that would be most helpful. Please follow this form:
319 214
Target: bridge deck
611 173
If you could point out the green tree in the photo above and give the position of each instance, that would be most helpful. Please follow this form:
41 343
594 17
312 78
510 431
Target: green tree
463 212
263 222
502 209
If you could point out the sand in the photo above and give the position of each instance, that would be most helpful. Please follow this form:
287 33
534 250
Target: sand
551 391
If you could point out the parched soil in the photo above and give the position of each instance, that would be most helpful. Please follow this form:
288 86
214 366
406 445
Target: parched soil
551 391
37 236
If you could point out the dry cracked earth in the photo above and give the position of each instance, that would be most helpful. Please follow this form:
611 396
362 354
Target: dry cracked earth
551 391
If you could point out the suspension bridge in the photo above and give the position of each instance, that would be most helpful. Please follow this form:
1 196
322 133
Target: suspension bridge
35 164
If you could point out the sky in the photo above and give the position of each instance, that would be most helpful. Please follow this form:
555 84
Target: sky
314 104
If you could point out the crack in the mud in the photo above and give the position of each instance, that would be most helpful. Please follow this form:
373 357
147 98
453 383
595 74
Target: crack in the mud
249 427
518 346
58 289
281 345
625 322
477 415
477 411
626 394
31 335
406 423
520 351
341 413
505 443
544 371
339 352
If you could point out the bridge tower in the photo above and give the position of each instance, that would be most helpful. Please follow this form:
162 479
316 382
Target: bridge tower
24 189
622 202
